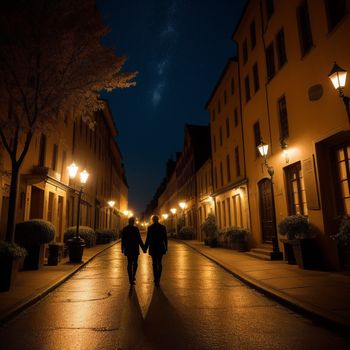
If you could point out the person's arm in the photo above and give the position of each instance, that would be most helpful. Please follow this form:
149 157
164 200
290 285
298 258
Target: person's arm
146 245
165 239
140 239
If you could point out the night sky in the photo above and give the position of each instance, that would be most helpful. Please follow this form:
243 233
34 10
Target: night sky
179 48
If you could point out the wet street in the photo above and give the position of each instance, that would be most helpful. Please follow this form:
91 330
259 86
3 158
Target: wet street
198 306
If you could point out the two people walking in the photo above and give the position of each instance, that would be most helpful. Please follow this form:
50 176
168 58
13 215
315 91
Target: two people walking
156 243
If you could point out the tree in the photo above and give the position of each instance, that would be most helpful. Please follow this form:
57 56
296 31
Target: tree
51 59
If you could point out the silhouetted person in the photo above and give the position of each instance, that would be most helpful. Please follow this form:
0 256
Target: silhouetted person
157 242
131 241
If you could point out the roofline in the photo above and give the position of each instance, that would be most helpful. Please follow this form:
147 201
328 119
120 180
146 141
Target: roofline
110 120
240 19
230 60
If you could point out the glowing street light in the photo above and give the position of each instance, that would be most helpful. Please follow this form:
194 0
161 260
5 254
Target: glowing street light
165 216
338 79
173 211
182 205
76 244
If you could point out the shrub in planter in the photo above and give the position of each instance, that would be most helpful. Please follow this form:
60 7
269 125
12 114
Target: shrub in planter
237 238
104 236
11 257
343 241
186 232
85 232
34 232
295 226
32 235
300 246
210 230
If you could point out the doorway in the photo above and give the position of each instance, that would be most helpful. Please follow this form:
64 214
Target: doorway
267 219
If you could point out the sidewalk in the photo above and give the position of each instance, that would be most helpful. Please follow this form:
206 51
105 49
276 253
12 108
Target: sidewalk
324 295
31 286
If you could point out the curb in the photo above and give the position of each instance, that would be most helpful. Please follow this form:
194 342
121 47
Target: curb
291 303
26 304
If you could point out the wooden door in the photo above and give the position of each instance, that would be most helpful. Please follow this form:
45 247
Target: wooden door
267 218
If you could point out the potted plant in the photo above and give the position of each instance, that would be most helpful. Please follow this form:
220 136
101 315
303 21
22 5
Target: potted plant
300 244
210 230
343 241
85 232
186 232
32 235
11 257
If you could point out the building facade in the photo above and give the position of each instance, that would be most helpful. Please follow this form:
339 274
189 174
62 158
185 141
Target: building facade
286 50
45 189
227 149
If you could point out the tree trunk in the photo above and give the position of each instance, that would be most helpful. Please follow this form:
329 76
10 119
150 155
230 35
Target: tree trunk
11 215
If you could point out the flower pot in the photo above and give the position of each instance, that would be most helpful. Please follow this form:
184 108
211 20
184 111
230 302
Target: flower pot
288 251
35 258
53 258
344 257
306 253
213 243
75 249
9 267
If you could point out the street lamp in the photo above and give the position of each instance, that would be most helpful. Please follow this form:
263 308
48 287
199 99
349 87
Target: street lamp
173 211
338 79
111 205
276 254
76 244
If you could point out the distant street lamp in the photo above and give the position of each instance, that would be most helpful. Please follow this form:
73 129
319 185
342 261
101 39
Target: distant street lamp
173 211
263 149
338 79
76 244
111 204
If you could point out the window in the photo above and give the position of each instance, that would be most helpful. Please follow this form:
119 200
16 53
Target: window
270 62
54 157
73 138
257 137
50 206
283 117
228 168
225 97
342 154
295 190
42 150
235 116
237 162
252 34
223 213
305 34
281 49
63 164
247 89
213 114
215 177
232 86
220 135
221 175
336 10
229 212
245 51
219 214
237 211
256 77
269 6
227 127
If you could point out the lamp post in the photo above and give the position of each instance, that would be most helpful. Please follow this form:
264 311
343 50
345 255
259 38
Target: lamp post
173 211
338 79
76 244
182 205
276 254
111 205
